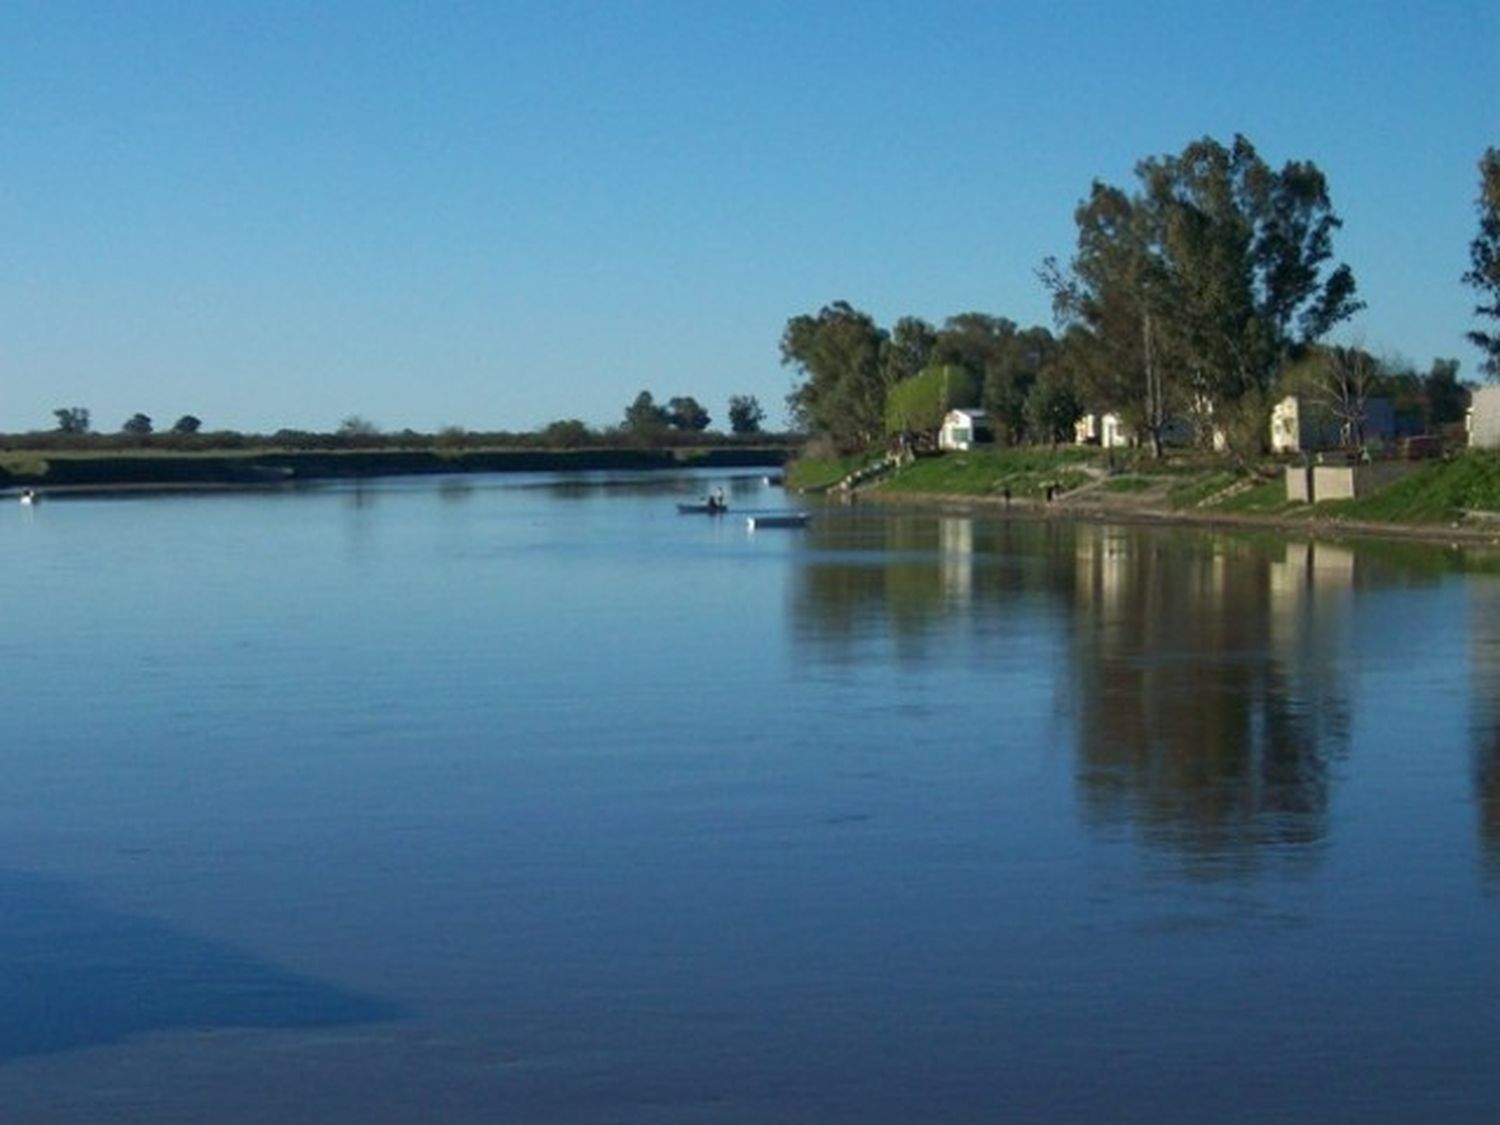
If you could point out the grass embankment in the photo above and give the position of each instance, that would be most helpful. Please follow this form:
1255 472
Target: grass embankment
1025 472
1463 491
815 474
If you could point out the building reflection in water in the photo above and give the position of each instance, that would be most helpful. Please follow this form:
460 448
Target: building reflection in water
1201 671
1206 686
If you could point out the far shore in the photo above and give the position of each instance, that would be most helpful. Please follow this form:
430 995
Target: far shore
70 473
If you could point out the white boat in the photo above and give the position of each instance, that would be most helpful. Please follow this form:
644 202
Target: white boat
777 519
28 496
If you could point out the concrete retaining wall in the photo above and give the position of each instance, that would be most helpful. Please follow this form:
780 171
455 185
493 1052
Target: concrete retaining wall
1316 483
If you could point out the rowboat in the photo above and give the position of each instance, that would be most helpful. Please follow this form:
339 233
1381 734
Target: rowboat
702 508
777 519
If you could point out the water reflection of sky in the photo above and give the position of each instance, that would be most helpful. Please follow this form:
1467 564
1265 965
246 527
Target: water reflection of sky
600 812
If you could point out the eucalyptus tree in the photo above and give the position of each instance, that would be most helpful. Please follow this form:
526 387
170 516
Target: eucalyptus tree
1112 298
839 354
1053 406
1202 285
1244 249
685 413
745 414
644 418
1004 359
1484 261
908 350
72 419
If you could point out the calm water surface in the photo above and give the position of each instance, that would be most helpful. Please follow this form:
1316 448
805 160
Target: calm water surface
527 799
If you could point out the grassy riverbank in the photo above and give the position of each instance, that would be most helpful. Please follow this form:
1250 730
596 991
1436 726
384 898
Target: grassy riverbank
1457 495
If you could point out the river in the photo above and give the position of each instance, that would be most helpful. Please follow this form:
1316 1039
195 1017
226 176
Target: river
524 798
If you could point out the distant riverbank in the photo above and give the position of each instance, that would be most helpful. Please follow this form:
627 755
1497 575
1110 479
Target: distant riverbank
267 468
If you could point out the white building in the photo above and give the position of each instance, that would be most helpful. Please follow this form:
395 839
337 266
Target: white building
964 429
1299 425
1105 430
1484 418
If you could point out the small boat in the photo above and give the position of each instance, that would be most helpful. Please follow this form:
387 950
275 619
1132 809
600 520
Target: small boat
711 505
775 480
777 519
28 496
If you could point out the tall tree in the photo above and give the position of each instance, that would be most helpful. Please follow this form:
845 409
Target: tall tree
838 352
138 425
1053 407
745 414
1112 298
187 424
1446 398
1243 249
684 413
1484 261
1004 360
72 419
908 350
643 417
1201 286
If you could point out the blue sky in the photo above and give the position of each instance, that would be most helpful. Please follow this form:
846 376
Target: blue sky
499 214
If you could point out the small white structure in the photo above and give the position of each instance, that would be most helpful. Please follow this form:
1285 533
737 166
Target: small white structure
1299 425
1104 430
964 429
1484 418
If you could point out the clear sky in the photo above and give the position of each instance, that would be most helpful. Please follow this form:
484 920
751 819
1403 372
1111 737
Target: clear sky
499 214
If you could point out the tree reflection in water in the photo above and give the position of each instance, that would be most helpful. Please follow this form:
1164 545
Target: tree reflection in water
1208 698
1202 669
1484 625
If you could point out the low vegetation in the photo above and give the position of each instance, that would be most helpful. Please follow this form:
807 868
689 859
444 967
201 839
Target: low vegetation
1024 472
1443 492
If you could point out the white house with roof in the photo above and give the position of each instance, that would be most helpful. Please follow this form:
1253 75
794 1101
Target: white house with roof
964 429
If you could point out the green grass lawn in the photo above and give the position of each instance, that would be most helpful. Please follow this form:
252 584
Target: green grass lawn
1194 489
1026 472
813 474
1441 492
1267 498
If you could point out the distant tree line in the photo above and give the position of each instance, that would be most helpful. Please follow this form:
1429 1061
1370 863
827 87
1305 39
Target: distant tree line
682 422
1197 296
